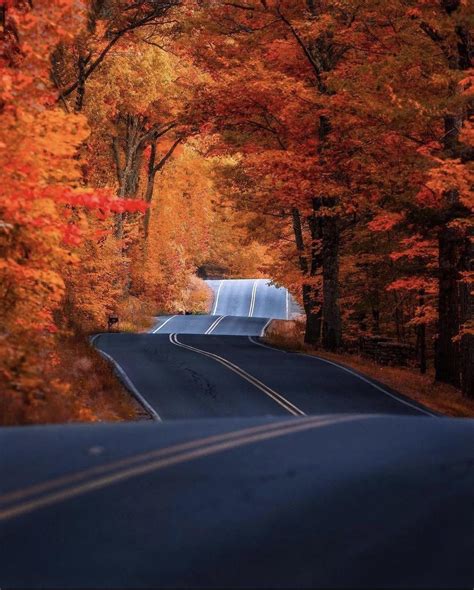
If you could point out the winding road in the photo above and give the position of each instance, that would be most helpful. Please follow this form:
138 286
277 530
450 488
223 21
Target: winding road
261 468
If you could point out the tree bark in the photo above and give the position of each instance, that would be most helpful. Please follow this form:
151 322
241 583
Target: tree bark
447 349
449 362
313 315
332 328
453 308
466 319
128 154
421 336
308 270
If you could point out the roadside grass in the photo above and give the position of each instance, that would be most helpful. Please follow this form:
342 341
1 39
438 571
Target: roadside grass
440 397
80 386
77 384
96 390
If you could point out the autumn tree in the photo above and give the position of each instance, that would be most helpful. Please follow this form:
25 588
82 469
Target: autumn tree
109 23
331 92
448 25
40 191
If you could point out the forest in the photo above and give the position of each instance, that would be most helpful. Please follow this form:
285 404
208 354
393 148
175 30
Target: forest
327 144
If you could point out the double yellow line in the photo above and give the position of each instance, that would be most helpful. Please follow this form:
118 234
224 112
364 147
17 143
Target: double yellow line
277 397
54 491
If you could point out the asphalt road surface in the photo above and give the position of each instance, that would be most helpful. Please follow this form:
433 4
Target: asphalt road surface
261 469
199 376
252 298
333 501
199 366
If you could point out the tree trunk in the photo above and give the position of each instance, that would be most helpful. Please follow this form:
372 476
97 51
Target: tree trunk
308 270
313 315
150 185
81 84
466 319
128 154
421 336
332 328
447 349
453 307
467 365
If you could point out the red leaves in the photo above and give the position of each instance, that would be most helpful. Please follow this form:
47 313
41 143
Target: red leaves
102 201
71 235
385 221
413 283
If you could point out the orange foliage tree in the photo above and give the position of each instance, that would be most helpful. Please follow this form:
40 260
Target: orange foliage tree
44 204
354 118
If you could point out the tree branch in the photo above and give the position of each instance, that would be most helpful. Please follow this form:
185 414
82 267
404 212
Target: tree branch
168 155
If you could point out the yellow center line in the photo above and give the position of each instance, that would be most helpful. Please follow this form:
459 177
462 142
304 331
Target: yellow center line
100 469
274 395
190 455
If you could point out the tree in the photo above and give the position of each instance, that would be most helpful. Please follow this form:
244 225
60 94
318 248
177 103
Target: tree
109 22
43 205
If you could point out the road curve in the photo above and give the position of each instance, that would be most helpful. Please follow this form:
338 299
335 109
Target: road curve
334 501
192 381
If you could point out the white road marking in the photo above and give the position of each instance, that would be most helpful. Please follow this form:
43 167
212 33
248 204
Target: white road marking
347 370
199 451
214 325
252 299
163 324
251 338
154 414
277 397
217 298
262 333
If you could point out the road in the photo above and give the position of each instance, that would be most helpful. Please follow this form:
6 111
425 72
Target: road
340 501
252 298
198 376
262 468
240 307
204 366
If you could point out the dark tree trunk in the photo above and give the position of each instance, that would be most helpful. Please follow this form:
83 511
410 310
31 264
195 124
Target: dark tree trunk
421 336
466 318
312 333
422 347
448 362
81 84
467 365
376 318
447 349
310 296
332 329
150 184
454 308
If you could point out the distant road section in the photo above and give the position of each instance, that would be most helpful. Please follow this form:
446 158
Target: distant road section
252 298
240 307
222 325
